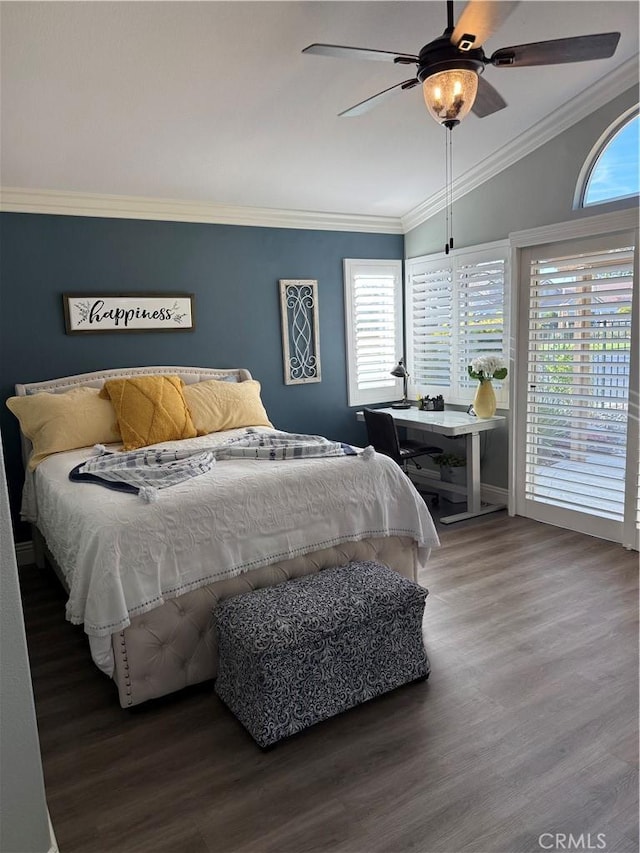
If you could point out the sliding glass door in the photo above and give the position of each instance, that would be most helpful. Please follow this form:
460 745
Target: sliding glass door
576 456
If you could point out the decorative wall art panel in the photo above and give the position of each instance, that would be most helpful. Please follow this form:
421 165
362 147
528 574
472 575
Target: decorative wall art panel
128 312
300 334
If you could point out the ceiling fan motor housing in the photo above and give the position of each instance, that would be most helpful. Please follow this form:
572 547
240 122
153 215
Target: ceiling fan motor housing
441 55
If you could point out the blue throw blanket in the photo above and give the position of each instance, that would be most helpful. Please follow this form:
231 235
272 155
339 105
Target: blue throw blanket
146 471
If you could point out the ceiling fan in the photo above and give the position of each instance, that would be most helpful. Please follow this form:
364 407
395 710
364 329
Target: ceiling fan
450 67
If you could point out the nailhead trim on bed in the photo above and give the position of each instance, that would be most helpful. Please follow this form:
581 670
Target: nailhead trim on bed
125 666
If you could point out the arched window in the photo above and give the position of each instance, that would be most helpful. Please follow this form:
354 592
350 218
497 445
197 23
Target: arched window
611 171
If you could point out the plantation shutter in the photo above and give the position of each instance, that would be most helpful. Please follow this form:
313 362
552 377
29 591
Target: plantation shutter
578 381
373 311
430 324
481 311
456 307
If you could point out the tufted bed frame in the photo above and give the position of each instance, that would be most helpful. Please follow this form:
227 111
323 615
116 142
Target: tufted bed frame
175 645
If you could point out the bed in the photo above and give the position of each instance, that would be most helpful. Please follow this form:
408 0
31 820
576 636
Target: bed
144 578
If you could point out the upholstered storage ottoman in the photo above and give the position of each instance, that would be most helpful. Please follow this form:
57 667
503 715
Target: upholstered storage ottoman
298 653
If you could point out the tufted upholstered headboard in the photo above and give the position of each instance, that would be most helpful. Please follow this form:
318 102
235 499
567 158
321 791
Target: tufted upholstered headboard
97 379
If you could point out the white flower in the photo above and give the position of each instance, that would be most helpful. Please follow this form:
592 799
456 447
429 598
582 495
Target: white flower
487 367
487 364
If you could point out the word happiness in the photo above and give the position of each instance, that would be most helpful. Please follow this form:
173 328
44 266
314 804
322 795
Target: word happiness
126 315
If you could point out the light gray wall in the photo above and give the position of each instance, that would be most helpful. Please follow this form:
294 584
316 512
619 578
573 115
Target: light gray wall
24 822
537 190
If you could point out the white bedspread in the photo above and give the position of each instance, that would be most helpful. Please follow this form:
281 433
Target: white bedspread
122 556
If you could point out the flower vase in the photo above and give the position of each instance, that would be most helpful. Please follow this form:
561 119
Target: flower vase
484 404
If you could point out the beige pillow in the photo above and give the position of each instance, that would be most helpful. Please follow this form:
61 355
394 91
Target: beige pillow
150 409
57 422
216 406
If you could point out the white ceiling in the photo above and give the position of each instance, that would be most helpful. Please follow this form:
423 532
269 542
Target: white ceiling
213 102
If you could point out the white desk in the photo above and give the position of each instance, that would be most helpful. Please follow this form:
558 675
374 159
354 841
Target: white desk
453 424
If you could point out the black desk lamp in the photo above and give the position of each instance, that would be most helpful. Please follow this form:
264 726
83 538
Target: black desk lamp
401 371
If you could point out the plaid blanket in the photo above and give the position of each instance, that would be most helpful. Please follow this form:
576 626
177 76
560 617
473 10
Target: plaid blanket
145 472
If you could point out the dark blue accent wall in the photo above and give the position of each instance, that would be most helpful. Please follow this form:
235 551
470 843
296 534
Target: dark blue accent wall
233 272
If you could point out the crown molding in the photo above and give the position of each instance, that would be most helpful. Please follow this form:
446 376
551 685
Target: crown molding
585 226
591 99
17 200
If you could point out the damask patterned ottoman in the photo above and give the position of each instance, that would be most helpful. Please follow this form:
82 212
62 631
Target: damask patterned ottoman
295 654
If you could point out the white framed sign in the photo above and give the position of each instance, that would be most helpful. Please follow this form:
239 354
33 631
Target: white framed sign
128 312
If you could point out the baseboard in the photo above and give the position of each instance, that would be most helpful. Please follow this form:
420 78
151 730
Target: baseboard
494 494
24 553
488 494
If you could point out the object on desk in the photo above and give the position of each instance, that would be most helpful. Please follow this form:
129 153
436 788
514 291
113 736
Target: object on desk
401 372
485 368
484 403
432 404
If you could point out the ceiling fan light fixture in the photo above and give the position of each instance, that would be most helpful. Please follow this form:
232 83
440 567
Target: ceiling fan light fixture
449 95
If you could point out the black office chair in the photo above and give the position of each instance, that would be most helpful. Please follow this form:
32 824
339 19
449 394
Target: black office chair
382 435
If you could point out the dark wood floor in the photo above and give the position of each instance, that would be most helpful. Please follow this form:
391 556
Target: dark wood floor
528 725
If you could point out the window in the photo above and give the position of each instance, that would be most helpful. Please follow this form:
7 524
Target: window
611 171
373 317
456 310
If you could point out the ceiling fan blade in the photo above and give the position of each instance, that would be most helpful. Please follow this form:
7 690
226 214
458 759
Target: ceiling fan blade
576 49
343 52
488 100
479 21
374 100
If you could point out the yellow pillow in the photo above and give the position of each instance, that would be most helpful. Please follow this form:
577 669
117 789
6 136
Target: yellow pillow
149 409
57 422
215 405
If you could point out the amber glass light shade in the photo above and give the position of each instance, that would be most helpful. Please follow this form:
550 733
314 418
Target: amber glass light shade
449 95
